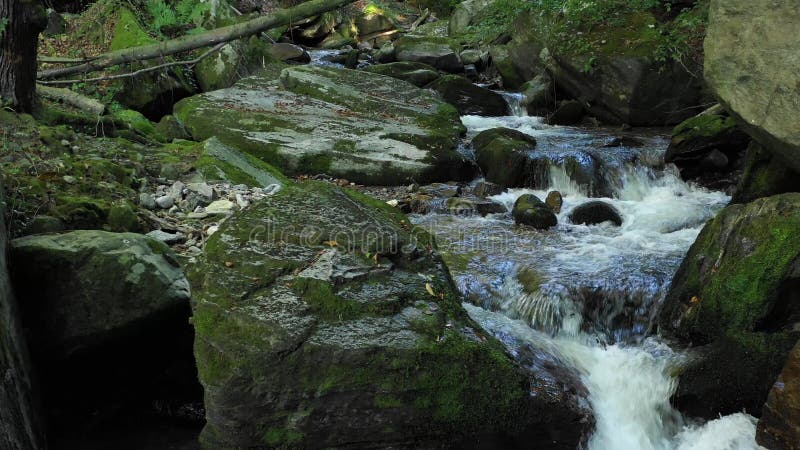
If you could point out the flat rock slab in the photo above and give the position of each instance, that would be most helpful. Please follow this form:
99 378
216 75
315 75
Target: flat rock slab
365 127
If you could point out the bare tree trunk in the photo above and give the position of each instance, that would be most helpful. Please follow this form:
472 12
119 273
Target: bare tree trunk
195 41
23 20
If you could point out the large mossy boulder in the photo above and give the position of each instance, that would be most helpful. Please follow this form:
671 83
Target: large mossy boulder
465 14
736 300
81 289
619 75
154 92
20 425
232 62
439 52
469 98
707 146
752 51
779 427
107 318
219 162
501 155
764 174
324 318
364 127
416 73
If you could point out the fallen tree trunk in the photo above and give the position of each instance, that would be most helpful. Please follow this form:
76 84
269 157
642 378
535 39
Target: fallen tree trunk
79 101
200 40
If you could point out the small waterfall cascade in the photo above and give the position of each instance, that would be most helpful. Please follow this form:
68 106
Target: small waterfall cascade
587 294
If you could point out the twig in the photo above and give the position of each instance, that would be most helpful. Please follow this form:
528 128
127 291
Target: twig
191 62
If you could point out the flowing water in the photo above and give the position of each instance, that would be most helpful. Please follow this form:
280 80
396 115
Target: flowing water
586 295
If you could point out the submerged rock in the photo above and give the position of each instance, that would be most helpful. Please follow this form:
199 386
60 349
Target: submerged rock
555 201
779 427
595 212
734 299
752 69
529 210
364 127
325 318
469 98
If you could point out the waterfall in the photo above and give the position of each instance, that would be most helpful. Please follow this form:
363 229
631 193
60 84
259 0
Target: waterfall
586 295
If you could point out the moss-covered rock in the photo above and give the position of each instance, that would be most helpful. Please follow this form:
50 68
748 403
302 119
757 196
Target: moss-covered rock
325 318
501 155
697 140
439 52
364 127
530 210
78 290
416 73
735 298
469 98
232 62
218 162
764 175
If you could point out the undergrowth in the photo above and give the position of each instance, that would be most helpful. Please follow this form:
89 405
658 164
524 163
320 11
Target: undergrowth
596 27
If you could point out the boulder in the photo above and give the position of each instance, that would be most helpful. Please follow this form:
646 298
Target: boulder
465 14
735 299
282 51
501 155
20 425
752 70
529 210
555 201
219 162
324 318
469 98
364 127
595 212
538 95
418 74
79 290
107 317
234 61
764 175
373 23
439 52
707 146
568 112
779 427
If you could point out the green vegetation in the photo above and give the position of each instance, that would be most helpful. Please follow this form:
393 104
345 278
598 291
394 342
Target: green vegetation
599 27
167 15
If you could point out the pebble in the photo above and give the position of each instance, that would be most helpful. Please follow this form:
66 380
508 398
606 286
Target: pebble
240 200
69 179
211 230
202 189
220 207
165 202
167 238
176 190
65 143
197 215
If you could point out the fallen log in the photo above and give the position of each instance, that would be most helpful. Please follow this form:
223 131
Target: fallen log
200 40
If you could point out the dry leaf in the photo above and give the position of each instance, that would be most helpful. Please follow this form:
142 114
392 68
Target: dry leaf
429 288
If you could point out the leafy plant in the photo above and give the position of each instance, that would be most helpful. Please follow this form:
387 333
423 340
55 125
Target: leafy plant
183 13
3 24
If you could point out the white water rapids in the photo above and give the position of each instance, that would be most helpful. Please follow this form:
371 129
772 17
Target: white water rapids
629 377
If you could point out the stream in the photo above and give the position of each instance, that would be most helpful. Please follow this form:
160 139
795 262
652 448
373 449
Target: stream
587 295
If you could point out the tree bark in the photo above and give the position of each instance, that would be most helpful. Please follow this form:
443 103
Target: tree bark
195 41
23 20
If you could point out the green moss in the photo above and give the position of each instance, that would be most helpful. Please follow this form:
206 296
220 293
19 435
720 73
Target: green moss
530 279
122 217
128 33
314 164
323 300
282 436
345 146
707 125
388 401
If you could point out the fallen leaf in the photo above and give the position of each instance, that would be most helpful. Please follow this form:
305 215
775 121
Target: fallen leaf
429 288
228 264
